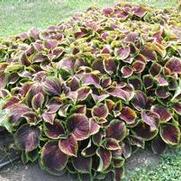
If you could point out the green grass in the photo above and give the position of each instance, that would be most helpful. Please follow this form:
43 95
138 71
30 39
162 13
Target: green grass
20 15
169 169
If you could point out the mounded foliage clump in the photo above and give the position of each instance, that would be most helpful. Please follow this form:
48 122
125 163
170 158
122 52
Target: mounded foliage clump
82 96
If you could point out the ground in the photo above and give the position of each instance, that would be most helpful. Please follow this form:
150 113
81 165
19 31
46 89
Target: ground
32 172
142 166
20 15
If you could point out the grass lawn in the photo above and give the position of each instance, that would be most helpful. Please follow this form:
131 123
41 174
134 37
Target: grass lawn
169 169
20 15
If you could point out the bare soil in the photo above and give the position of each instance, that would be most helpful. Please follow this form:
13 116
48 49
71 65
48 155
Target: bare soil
16 171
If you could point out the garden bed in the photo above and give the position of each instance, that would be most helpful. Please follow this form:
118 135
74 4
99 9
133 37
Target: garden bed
82 97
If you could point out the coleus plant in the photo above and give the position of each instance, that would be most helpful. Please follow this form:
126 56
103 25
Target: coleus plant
82 96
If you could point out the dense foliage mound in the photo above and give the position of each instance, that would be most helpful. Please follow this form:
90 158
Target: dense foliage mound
81 96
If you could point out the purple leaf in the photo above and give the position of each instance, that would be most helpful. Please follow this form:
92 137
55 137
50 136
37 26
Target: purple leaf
94 127
170 134
119 162
136 82
126 149
66 63
17 111
164 114
49 117
83 93
53 86
118 173
90 79
106 82
37 101
128 115
108 11
34 33
25 60
57 52
123 53
138 66
122 15
139 11
54 130
38 46
158 145
151 119
110 66
106 49
155 69
116 129
54 104
79 125
117 107
82 164
112 144
100 111
81 109
52 158
98 65
126 71
149 54
177 108
162 92
11 102
27 138
73 83
31 117
158 36
174 65
97 138
137 141
139 100
50 44
116 154
161 80
99 98
69 146
143 130
148 81
89 150
2 80
132 37
125 93
105 158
